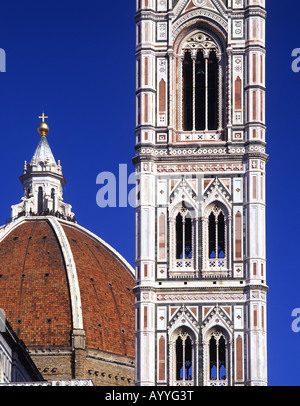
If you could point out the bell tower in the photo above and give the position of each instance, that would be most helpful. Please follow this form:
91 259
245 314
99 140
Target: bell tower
200 215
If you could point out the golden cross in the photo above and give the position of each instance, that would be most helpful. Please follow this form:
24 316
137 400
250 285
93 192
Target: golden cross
43 117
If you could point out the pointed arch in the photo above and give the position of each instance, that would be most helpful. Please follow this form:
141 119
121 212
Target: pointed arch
217 350
186 202
216 197
183 242
218 368
183 357
216 229
216 232
200 82
199 50
184 318
184 234
183 229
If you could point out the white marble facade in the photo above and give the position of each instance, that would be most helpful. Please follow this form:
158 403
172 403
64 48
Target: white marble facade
200 218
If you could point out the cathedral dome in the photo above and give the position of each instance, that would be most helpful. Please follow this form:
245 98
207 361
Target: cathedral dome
67 294
56 276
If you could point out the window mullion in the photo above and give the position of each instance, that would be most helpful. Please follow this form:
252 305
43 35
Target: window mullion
183 359
217 237
217 358
194 57
180 99
206 56
220 92
183 238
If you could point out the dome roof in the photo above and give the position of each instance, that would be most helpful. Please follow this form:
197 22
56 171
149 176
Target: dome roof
56 276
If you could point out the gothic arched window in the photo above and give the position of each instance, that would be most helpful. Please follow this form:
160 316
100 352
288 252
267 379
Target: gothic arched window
40 200
216 241
201 77
183 237
218 357
53 199
183 248
184 230
216 233
184 357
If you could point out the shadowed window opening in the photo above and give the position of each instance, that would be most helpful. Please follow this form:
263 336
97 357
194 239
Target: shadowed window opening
212 92
201 84
216 235
184 367
53 199
188 92
217 358
40 200
184 237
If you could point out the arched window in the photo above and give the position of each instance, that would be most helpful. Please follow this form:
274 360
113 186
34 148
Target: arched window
184 357
201 93
218 359
216 241
53 199
184 239
40 200
183 249
216 233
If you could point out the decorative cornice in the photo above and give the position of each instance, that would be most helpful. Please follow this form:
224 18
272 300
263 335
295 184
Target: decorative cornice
194 150
204 297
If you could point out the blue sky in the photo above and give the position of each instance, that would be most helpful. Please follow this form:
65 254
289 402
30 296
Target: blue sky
75 61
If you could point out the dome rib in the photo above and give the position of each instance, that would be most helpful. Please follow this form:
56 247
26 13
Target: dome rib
71 273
